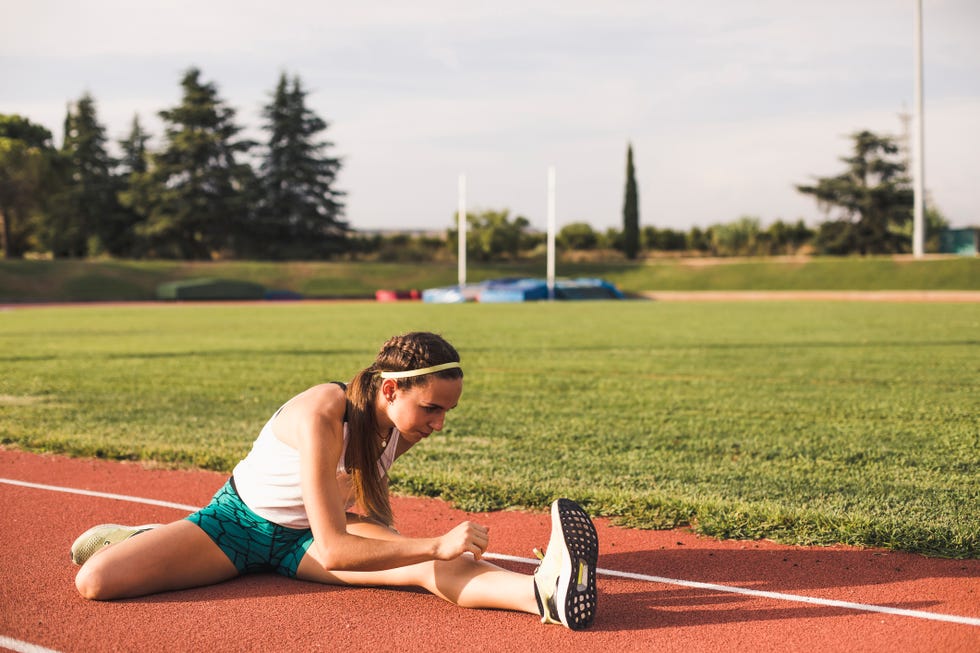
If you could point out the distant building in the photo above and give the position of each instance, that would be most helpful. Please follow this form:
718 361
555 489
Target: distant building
964 242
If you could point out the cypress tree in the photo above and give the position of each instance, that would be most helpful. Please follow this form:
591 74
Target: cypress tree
631 210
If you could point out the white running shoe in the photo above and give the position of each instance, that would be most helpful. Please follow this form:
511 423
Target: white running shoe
565 581
97 537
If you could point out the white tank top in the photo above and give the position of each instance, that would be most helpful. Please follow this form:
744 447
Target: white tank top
267 479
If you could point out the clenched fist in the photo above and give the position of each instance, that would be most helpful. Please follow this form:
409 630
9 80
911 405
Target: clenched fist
466 537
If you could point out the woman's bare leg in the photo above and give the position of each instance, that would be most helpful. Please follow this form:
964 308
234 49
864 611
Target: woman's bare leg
176 556
465 581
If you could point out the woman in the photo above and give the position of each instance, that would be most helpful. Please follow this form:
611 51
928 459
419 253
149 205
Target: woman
324 453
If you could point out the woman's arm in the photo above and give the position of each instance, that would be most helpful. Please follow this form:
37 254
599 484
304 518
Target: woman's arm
316 420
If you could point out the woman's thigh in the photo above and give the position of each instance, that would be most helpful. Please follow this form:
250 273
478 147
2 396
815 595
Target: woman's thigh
175 556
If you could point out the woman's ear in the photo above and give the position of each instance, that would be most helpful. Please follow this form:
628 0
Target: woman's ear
388 389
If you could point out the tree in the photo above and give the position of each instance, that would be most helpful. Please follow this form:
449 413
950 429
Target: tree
787 238
578 236
300 210
134 153
665 240
736 238
935 224
131 166
492 235
631 210
86 217
25 153
698 240
872 198
611 239
836 238
195 192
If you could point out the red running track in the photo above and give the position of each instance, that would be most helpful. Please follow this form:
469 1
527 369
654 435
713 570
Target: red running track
643 612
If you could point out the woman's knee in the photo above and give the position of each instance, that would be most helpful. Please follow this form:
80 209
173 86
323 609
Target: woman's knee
91 581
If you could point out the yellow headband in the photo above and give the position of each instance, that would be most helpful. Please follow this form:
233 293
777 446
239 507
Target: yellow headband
425 370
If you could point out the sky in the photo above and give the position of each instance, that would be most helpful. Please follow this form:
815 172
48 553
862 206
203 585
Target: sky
727 105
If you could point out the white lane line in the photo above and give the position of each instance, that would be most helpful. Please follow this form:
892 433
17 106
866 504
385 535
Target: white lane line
23 647
103 495
779 596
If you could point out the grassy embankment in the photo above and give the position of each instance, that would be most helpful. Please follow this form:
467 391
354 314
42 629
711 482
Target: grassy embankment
63 280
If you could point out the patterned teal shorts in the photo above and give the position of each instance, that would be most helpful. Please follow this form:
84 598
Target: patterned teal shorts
251 542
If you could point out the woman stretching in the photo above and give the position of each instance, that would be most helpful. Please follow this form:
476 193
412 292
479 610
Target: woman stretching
287 507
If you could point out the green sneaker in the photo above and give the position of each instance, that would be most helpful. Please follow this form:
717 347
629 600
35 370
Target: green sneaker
565 581
97 537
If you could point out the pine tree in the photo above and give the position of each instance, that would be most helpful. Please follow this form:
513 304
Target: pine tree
134 152
85 215
631 210
132 164
300 214
873 197
195 192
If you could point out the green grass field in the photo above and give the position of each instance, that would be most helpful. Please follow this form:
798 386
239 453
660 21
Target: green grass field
803 422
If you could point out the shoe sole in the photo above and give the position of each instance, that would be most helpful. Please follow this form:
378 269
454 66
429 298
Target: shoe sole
575 595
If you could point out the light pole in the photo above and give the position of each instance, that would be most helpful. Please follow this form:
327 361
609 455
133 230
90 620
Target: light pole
918 144
461 226
552 227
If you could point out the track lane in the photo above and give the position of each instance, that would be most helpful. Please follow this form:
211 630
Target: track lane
40 605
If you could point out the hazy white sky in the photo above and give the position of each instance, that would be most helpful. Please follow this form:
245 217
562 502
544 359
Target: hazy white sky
728 105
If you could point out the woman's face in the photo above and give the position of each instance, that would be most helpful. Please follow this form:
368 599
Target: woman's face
418 411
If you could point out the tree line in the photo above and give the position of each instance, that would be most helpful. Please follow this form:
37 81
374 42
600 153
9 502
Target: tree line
868 205
198 197
207 193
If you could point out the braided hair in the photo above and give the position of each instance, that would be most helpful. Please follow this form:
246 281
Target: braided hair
410 351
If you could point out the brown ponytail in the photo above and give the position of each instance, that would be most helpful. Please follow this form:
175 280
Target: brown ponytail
410 351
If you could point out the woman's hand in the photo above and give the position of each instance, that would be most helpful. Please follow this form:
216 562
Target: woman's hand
466 537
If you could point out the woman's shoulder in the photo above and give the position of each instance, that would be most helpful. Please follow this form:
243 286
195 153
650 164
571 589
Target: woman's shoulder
325 400
324 397
331 388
